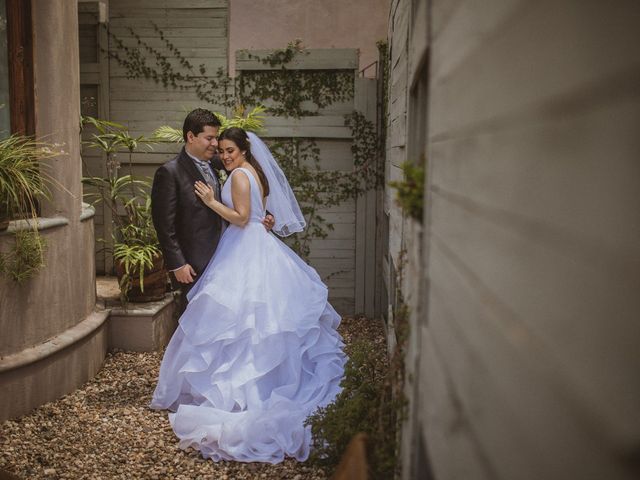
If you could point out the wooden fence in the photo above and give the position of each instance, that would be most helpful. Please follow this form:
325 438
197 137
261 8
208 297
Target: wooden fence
346 258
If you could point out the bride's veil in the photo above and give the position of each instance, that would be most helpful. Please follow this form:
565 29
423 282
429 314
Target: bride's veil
281 202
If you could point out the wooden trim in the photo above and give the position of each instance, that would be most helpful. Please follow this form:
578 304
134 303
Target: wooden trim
20 49
312 59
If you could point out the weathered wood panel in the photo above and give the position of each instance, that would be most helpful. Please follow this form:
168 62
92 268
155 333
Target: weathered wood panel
333 257
367 264
511 399
88 42
558 254
94 101
197 28
140 6
316 59
321 126
497 81
534 261
451 444
145 29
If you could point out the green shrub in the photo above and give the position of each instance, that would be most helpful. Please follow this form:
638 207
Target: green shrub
366 404
410 191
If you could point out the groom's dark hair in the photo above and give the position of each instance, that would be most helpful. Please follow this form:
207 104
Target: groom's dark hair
198 119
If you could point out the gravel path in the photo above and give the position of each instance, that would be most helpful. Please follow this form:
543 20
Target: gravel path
105 430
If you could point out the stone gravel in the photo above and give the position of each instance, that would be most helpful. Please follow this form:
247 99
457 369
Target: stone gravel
105 430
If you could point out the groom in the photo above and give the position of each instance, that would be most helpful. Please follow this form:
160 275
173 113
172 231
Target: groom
188 230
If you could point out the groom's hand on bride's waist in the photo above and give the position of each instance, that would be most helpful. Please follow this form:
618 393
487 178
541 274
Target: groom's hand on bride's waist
268 221
185 274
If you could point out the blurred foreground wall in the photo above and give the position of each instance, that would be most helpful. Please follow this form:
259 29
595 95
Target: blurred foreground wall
523 279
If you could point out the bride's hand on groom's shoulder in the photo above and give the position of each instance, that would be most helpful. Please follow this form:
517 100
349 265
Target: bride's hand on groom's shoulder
205 192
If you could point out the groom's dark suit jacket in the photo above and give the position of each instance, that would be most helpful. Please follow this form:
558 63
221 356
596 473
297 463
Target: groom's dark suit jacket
188 230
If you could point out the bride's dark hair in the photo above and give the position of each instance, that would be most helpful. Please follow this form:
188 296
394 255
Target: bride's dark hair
238 136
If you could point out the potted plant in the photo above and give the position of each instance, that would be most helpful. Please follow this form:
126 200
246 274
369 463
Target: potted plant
23 181
136 252
138 260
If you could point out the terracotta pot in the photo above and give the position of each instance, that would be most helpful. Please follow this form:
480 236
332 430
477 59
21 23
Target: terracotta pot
155 282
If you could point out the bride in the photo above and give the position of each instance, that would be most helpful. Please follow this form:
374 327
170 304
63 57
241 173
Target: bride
256 350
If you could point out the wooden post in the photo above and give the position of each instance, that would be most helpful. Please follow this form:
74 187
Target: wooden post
20 49
366 261
353 464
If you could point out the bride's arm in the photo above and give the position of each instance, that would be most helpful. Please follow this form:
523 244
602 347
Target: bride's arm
240 194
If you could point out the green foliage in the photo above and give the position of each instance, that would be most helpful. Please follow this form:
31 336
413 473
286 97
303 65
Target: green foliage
283 56
111 138
290 90
372 400
136 259
253 122
25 258
135 241
365 147
317 189
214 90
168 134
24 180
366 404
410 191
383 54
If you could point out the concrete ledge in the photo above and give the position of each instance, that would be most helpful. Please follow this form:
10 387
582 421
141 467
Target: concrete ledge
42 223
87 212
138 327
44 373
143 327
57 343
45 223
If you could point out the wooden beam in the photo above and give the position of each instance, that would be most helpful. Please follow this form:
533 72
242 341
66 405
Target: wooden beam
20 49
313 59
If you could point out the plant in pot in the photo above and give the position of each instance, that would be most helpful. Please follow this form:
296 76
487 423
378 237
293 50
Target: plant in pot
136 252
138 260
23 181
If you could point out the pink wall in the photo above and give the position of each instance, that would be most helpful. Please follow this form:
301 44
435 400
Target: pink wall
258 24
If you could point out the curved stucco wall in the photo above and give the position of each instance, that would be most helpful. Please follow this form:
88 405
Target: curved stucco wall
58 297
37 363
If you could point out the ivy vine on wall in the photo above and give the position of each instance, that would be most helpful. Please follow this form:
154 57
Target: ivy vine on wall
291 92
283 91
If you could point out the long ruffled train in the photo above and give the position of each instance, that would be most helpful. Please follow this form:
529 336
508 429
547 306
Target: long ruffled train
255 353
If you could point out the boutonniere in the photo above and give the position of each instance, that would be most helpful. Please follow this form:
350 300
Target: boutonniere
222 176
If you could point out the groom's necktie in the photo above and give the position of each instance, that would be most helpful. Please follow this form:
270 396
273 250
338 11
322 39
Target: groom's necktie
209 176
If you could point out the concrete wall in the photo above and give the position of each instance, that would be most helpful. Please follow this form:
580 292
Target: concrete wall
524 348
329 24
51 342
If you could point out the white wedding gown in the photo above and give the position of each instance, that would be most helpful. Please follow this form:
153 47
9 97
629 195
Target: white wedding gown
256 351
